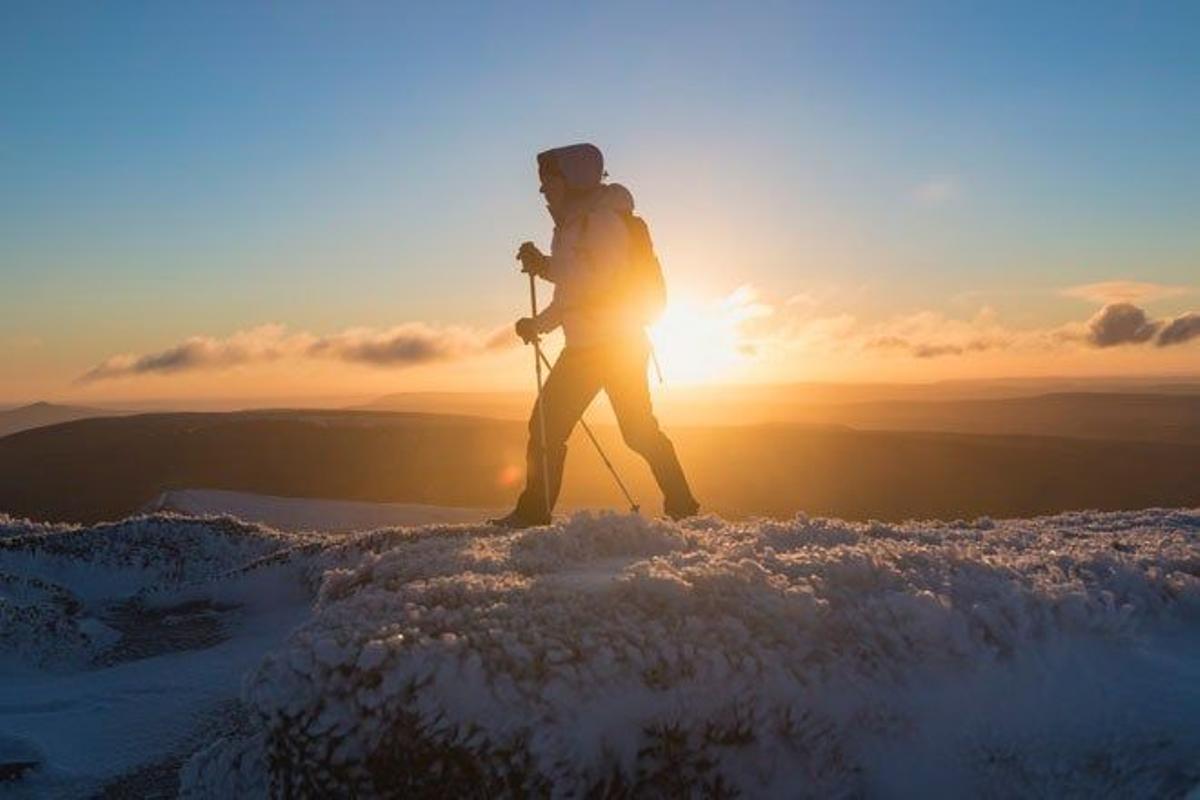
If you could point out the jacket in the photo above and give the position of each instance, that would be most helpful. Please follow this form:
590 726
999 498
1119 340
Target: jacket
589 250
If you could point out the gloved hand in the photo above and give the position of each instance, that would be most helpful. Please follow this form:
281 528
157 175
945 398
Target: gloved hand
526 328
532 260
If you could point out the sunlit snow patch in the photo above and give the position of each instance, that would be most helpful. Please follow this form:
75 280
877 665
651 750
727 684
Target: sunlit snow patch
618 656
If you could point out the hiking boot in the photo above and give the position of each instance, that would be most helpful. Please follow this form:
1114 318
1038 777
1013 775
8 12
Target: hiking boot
517 520
681 510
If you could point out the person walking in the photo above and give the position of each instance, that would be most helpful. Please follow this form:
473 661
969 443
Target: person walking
607 288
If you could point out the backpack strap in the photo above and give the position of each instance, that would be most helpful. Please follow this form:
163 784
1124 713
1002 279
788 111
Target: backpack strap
583 233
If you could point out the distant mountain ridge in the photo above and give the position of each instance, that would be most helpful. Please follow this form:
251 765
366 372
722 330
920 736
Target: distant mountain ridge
40 414
1172 416
811 393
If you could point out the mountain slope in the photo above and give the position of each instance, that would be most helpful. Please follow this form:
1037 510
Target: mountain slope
1119 416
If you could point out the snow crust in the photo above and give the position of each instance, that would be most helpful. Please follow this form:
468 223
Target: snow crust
610 654
620 656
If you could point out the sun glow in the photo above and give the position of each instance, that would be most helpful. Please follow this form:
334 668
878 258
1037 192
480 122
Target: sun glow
701 342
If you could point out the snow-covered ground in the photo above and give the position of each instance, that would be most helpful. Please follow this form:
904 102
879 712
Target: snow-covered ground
605 654
309 514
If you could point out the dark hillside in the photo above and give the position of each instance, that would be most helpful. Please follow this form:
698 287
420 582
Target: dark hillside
106 468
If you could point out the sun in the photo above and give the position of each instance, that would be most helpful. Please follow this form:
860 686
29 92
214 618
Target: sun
702 342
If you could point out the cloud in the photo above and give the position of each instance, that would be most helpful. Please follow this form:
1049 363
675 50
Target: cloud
1182 329
798 325
1125 323
411 343
928 334
937 191
1120 323
930 349
1120 291
404 345
261 344
755 327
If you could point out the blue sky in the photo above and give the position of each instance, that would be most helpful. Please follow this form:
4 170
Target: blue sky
173 170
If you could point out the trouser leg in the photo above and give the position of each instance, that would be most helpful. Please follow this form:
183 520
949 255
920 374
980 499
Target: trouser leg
572 383
629 391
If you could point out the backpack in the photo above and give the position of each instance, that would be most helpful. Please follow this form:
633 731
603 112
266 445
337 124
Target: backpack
640 288
643 288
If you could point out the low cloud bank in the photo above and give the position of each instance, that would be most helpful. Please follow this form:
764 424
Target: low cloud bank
1125 323
757 327
256 345
933 349
404 345
928 334
412 343
1182 329
1120 323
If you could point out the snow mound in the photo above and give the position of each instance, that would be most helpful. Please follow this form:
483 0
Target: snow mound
140 553
615 656
59 583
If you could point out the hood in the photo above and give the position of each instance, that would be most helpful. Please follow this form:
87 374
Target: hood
581 165
615 197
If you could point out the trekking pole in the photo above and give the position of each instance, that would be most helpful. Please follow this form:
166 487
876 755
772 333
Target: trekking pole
657 368
634 507
538 358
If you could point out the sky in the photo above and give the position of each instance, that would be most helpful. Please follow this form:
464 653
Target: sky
292 200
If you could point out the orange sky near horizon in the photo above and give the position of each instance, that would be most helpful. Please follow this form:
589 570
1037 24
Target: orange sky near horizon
743 337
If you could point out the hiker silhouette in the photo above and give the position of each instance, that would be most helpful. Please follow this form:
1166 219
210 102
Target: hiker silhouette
607 288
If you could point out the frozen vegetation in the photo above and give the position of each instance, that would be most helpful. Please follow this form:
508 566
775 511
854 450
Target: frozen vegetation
608 656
